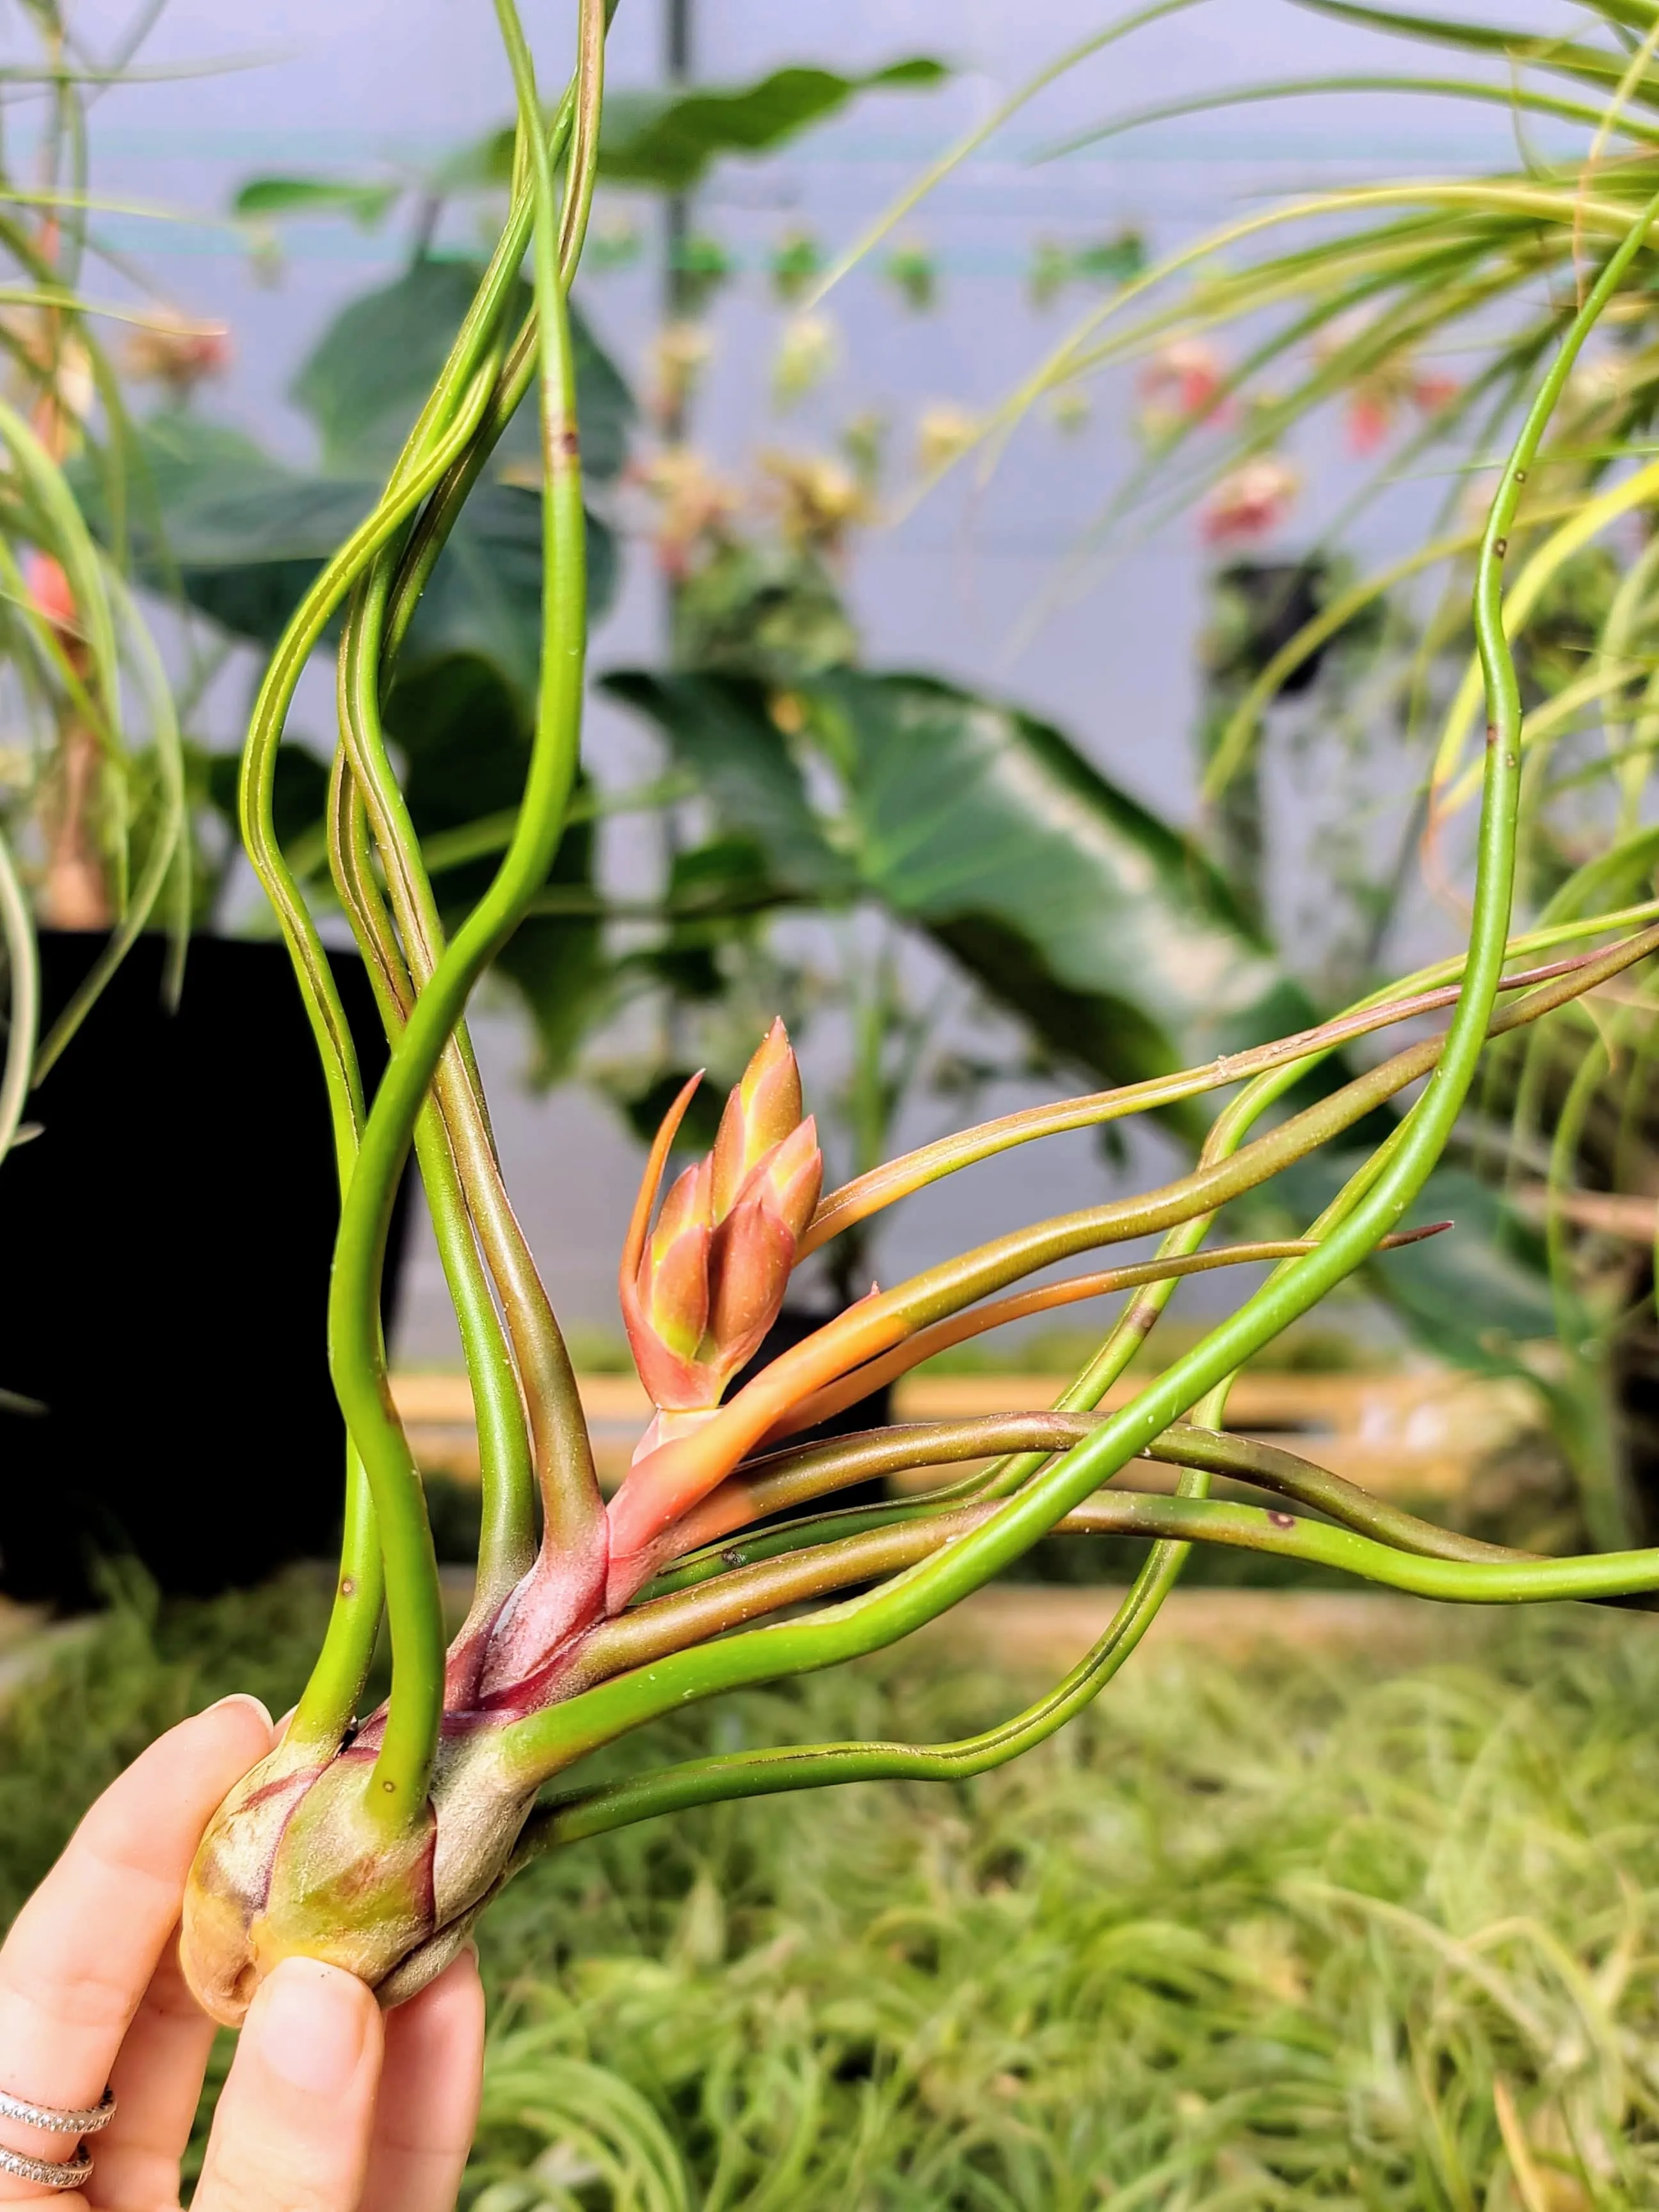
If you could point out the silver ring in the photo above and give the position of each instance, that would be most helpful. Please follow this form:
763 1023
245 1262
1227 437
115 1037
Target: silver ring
55 2120
46 2172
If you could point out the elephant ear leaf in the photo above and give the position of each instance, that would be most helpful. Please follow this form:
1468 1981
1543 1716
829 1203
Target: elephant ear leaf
365 380
1095 922
240 532
666 141
1097 925
485 595
719 728
369 375
245 534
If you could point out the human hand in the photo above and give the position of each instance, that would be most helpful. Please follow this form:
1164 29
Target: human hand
331 2105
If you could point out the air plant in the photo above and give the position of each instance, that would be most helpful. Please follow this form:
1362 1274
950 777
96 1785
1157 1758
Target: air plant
375 1841
93 822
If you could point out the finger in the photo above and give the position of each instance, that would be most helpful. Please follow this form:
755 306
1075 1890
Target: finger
294 2123
430 2086
82 1951
157 2081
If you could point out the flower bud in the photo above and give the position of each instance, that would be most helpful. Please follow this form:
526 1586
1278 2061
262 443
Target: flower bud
754 1247
788 1179
710 1278
763 1108
671 1293
50 590
178 354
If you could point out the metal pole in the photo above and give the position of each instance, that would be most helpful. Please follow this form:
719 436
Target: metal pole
677 209
677 229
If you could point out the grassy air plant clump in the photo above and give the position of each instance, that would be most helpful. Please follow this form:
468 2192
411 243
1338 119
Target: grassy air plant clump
376 1840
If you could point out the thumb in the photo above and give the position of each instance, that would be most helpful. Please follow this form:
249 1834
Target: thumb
295 2122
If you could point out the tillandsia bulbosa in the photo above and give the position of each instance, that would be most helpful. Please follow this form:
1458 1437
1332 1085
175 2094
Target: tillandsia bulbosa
375 1841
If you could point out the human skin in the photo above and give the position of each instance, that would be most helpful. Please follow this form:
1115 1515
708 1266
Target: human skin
331 2105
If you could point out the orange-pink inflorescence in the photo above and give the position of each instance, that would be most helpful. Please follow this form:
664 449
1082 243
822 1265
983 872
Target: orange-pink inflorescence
699 1292
700 1289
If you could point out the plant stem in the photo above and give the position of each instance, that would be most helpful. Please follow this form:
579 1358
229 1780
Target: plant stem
790 1479
666 1482
506 1537
257 782
443 433
22 1000
977 1320
398 1786
330 1699
1181 1521
579 111
1592 1437
854 1201
563 1457
891 1539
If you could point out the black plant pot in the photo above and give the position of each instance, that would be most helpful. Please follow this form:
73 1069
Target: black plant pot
168 1239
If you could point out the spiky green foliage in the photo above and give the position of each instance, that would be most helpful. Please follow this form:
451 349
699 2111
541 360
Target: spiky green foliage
94 784
1284 1954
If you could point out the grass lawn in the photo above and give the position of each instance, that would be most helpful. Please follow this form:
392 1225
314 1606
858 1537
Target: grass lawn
1285 1933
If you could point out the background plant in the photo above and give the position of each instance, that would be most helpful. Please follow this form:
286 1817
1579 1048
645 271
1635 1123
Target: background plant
555 1663
93 778
762 821
1416 310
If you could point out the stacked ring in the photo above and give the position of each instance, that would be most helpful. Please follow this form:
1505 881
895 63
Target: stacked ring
58 2120
46 2172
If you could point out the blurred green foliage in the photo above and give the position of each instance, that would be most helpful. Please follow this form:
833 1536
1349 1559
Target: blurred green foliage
1285 1930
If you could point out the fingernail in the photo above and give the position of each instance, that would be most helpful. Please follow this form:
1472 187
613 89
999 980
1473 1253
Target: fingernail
308 2025
240 1697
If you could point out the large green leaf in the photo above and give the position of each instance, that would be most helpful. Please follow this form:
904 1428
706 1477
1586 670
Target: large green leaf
667 139
1094 921
369 375
245 534
721 731
1095 924
264 198
241 533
